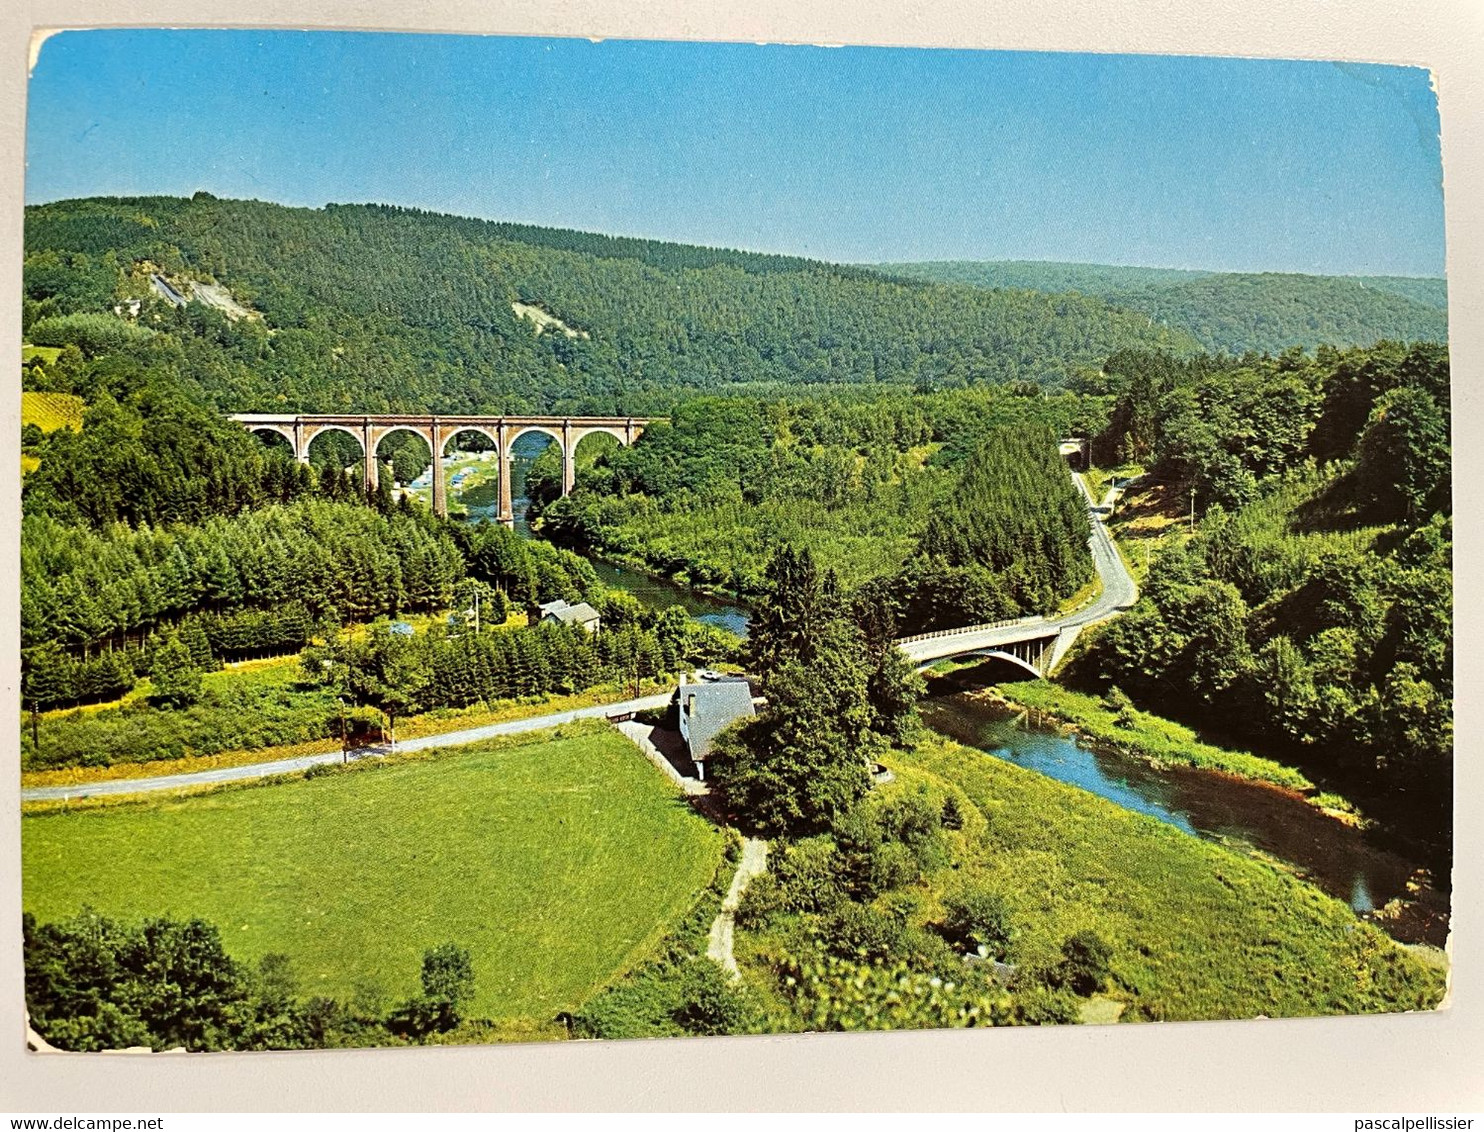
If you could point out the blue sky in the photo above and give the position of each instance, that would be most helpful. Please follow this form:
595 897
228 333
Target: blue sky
852 154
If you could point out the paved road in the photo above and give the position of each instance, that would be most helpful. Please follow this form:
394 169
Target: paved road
304 762
1119 592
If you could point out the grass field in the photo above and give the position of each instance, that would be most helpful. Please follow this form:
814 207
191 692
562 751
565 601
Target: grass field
559 862
1197 930
47 411
47 354
51 411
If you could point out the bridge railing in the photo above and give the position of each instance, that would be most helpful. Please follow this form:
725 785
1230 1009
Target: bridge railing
967 629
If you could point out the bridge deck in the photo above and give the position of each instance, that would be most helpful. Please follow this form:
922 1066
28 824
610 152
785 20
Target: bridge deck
425 419
958 642
1119 592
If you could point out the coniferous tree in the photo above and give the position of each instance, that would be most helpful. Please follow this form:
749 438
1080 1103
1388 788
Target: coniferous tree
175 679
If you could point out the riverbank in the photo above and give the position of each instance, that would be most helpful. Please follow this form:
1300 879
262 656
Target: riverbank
1157 741
657 592
1389 882
1197 930
637 564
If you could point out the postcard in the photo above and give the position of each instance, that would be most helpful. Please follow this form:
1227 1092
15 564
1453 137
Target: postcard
541 539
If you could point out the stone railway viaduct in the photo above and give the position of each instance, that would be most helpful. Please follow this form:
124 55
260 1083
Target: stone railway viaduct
300 429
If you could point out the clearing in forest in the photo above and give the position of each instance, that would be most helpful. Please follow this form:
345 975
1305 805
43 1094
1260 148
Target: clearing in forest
51 411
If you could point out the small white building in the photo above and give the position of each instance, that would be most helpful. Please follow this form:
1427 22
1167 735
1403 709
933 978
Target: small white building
707 708
565 613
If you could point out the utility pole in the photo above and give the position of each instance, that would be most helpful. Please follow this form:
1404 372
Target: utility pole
329 666
475 611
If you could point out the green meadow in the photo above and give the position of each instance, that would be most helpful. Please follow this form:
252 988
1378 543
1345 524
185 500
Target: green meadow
559 861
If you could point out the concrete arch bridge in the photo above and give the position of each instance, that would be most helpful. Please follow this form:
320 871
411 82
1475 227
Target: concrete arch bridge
300 430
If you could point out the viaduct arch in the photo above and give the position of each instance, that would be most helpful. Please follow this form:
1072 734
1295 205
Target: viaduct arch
300 429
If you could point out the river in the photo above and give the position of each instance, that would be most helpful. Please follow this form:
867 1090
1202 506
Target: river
1339 858
653 592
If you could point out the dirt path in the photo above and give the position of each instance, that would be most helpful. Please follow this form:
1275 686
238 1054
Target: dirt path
719 947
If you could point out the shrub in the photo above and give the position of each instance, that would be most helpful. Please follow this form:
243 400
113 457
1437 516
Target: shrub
448 973
977 918
710 1003
858 931
830 993
858 836
1117 702
927 949
686 996
176 679
1039 1005
952 815
760 900
892 865
637 1007
448 982
911 819
808 876
1085 963
655 717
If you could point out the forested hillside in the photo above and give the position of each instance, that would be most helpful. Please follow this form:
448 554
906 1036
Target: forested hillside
1230 312
862 484
376 308
1312 613
1040 275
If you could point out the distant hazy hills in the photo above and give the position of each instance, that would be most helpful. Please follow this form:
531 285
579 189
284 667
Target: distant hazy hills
376 308
1226 310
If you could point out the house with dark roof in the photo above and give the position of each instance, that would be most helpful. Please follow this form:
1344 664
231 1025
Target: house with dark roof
567 614
707 708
